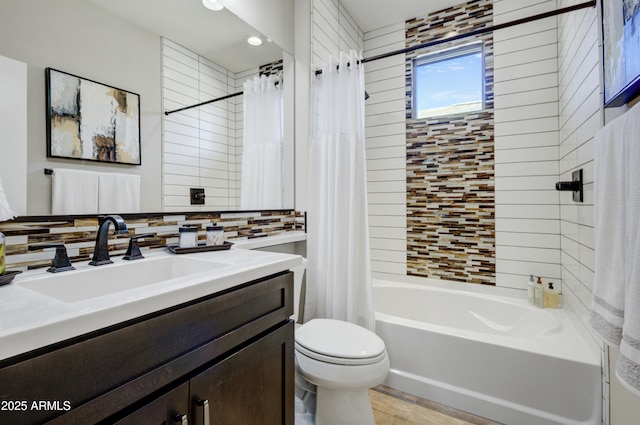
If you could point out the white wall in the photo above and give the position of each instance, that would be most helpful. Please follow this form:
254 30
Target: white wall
333 31
80 38
386 150
580 117
526 145
13 124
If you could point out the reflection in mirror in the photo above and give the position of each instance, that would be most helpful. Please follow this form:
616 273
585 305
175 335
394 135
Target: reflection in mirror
204 146
213 56
174 53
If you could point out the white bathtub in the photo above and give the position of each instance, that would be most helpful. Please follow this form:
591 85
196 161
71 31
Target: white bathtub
493 356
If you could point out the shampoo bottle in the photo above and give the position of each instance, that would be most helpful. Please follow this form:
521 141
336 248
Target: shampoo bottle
530 288
538 293
2 251
551 297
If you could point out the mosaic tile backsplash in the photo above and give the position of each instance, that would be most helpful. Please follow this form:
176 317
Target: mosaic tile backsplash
450 165
272 68
78 232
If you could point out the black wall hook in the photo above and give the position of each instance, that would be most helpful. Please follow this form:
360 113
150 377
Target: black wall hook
575 186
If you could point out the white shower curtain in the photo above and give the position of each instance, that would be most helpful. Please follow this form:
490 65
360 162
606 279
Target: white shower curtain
339 271
261 186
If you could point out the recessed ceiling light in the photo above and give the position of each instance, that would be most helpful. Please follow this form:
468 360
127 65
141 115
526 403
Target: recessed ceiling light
212 4
254 41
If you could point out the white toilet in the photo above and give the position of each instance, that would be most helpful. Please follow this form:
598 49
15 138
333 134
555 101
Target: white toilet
339 361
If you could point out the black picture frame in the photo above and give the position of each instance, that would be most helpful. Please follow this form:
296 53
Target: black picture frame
91 121
621 50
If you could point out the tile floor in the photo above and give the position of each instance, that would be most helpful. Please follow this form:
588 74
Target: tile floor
393 407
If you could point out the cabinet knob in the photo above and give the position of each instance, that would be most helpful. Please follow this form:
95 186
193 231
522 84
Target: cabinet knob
205 411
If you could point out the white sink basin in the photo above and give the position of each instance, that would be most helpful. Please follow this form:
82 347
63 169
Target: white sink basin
92 282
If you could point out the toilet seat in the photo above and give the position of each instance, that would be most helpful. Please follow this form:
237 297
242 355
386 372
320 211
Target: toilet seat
338 342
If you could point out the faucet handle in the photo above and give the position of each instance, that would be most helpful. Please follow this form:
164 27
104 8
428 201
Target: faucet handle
60 262
133 251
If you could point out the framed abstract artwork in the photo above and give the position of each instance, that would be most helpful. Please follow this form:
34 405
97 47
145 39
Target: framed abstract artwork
621 51
91 121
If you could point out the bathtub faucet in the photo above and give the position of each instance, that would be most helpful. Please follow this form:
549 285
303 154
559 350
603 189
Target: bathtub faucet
101 250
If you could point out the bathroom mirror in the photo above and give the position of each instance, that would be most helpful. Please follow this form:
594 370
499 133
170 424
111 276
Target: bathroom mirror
124 44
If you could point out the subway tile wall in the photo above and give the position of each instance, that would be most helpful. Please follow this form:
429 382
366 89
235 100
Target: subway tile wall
527 138
333 31
386 150
526 145
199 145
387 155
202 147
580 117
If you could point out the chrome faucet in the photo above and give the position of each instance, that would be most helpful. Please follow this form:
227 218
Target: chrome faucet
101 251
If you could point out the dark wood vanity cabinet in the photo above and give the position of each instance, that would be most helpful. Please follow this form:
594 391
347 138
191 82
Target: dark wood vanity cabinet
222 359
169 408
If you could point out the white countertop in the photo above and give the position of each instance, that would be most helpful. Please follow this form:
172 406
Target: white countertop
282 238
31 319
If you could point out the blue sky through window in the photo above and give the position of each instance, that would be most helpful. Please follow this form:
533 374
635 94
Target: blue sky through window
449 81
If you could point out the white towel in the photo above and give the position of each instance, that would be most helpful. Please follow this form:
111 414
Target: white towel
607 311
118 193
628 369
5 210
74 192
615 310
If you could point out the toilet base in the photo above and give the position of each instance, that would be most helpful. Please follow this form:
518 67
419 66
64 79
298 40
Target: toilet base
343 407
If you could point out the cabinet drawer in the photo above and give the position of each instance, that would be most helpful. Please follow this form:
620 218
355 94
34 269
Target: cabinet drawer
103 372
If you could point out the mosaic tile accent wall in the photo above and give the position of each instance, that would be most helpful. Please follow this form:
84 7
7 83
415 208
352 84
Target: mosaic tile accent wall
450 165
78 232
271 68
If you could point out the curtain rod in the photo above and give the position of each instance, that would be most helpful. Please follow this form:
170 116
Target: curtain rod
206 102
411 49
484 30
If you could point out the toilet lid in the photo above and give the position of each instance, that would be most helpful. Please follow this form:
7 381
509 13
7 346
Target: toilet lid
335 341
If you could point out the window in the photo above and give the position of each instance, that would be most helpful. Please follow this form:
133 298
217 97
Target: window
448 82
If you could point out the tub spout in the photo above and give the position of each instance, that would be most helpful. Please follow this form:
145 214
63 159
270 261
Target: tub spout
101 250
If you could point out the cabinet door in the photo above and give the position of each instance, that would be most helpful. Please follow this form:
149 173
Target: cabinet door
169 409
254 386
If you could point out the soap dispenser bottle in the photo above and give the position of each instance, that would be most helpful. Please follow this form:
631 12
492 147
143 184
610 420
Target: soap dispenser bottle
188 236
530 288
551 297
3 248
538 293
